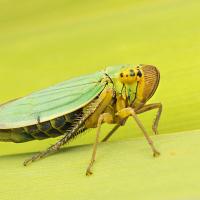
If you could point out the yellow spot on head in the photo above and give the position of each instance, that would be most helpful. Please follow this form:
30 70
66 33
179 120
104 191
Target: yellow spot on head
128 76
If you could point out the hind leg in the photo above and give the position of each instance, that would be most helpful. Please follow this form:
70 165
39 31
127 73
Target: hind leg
105 117
55 147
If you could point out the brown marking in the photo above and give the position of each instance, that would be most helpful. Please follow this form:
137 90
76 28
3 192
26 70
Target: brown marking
151 80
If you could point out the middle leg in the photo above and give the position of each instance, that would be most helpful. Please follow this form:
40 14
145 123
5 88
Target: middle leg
110 133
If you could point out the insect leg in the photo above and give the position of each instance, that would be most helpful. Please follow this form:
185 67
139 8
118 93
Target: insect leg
50 150
105 117
130 112
55 147
110 133
113 130
151 107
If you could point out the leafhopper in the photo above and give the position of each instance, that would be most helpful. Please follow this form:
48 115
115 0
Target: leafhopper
71 107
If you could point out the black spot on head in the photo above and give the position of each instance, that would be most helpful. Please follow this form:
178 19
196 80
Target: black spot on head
121 75
139 73
126 75
132 73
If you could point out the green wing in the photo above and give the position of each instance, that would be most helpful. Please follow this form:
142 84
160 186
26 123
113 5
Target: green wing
52 102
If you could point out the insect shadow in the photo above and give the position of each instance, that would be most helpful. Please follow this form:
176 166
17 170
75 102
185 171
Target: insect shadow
70 149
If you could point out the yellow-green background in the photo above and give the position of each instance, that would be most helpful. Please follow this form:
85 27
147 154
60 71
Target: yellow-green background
44 42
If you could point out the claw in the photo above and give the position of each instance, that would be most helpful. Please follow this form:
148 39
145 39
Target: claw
155 131
88 172
27 162
156 154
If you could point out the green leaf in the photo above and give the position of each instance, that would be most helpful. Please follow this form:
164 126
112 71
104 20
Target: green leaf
46 42
123 170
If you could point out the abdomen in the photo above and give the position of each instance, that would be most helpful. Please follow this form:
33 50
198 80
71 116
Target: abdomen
49 129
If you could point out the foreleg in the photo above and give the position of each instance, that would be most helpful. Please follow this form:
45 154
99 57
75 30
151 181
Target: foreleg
124 113
151 107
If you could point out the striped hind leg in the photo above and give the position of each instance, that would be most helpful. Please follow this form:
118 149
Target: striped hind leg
53 148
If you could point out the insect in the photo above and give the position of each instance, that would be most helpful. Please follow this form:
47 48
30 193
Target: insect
71 107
